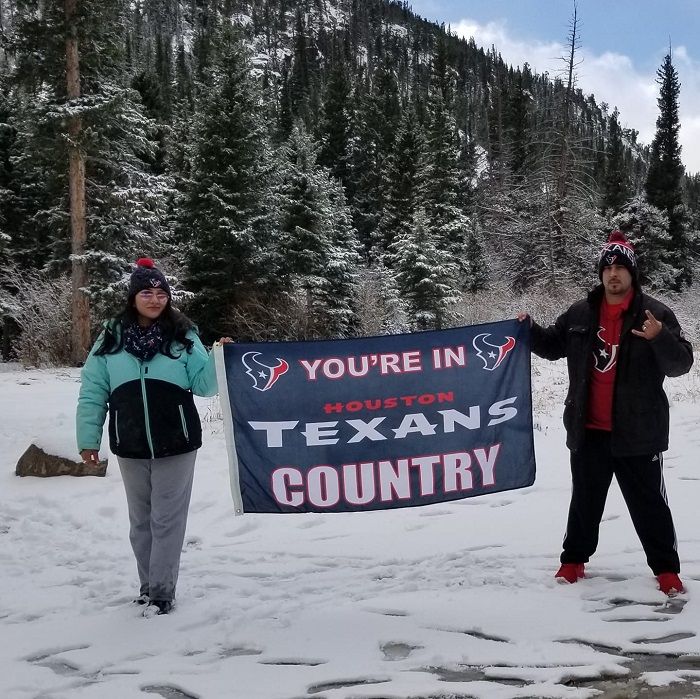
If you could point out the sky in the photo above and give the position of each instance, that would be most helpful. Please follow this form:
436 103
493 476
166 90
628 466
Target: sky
623 43
451 599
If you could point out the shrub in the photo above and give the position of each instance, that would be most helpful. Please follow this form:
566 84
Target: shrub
40 307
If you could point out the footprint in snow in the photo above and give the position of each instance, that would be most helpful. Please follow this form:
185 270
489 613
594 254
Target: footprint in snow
294 662
168 692
671 638
342 684
240 531
395 650
308 524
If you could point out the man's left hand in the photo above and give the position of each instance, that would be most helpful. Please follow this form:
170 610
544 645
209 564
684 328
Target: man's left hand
650 327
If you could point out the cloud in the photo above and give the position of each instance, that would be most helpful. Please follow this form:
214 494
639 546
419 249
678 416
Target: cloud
611 77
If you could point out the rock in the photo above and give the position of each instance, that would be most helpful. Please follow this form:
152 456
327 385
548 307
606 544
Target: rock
36 462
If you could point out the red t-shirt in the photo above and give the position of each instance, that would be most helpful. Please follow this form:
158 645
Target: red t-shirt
605 352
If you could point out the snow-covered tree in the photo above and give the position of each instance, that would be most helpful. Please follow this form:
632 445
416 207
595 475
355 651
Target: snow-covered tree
223 226
440 185
402 183
84 155
475 264
665 175
316 239
647 229
427 274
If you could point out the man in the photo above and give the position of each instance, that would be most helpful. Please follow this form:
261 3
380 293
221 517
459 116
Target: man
619 344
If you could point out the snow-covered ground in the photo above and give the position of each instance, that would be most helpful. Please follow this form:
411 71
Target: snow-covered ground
454 600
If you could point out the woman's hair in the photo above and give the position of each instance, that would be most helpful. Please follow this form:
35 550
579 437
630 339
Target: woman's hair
173 323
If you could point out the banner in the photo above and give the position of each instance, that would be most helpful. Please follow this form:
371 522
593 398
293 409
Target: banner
379 422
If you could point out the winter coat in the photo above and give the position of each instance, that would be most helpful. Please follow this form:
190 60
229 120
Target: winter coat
640 414
151 408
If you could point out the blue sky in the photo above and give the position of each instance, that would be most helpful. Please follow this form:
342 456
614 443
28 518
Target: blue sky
622 45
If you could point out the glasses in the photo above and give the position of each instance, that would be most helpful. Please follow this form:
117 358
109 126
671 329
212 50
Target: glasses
159 296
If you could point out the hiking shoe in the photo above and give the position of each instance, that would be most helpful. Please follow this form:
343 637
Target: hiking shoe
143 598
570 572
156 607
670 584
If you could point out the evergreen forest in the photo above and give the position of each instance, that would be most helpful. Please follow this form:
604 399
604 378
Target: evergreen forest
306 169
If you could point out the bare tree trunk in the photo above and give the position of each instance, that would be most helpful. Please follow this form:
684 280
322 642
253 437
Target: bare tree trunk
80 310
565 142
563 174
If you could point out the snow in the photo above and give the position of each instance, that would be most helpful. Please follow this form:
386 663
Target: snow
450 600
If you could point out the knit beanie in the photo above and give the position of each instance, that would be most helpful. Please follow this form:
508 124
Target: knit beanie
618 251
147 276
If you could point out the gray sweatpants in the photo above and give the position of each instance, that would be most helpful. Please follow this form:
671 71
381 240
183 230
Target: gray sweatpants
158 494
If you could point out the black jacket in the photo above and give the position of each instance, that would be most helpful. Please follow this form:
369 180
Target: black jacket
640 406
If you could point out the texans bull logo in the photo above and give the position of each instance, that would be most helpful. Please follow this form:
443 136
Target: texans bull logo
492 355
604 354
264 376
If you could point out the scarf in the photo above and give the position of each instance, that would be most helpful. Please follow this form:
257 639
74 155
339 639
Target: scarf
143 343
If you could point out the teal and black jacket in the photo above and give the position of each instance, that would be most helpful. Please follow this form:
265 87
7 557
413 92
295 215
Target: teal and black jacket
151 407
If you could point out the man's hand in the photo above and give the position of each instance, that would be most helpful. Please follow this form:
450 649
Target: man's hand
650 327
524 316
90 456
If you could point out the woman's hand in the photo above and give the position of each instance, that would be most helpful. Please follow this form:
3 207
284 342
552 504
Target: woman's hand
224 340
90 456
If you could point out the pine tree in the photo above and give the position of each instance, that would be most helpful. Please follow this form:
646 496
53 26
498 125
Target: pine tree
518 123
476 269
285 118
97 124
440 178
617 185
426 275
300 78
316 239
665 175
342 267
222 224
380 308
402 182
365 189
467 167
647 229
374 130
336 126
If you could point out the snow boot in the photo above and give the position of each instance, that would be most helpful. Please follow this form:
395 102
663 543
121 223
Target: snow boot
570 572
670 584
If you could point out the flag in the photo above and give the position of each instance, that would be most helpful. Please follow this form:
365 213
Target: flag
378 422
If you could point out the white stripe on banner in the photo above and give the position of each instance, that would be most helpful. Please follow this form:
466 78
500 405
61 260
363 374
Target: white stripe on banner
228 428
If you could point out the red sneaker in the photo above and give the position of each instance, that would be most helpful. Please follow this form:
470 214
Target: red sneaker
570 572
670 584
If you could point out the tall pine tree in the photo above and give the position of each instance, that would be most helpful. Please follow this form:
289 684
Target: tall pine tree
617 185
223 227
665 176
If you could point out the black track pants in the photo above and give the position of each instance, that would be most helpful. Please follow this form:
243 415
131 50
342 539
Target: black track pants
642 485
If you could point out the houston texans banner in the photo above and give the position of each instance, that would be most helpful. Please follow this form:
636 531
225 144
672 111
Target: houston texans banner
378 423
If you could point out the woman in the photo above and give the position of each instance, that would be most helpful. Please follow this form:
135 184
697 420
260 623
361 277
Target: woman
144 368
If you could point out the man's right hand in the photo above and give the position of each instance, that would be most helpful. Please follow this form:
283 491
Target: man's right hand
524 316
90 456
